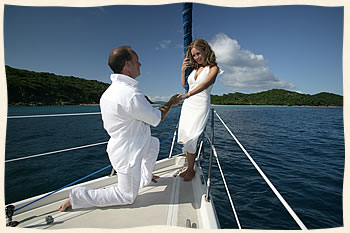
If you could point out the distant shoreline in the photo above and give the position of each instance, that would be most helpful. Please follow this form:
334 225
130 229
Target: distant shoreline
29 88
213 105
243 105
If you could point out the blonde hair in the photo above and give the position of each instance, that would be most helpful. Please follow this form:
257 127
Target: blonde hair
204 46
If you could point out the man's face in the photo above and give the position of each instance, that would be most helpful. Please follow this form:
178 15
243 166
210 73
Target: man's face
134 67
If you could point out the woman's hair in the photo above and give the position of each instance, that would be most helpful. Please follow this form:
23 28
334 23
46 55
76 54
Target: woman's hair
201 45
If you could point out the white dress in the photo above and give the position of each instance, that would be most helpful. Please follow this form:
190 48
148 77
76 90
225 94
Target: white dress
194 112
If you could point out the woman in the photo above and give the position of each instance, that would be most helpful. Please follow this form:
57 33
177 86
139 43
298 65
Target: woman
196 105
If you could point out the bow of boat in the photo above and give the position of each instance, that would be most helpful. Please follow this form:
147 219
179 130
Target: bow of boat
169 202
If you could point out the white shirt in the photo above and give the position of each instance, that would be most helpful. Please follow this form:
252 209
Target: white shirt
127 117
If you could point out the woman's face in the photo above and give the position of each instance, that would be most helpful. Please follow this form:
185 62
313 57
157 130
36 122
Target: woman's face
199 56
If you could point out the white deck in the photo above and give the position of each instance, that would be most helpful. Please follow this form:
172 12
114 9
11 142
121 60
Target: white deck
169 202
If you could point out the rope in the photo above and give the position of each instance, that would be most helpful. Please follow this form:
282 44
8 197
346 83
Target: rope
187 28
54 115
225 184
279 196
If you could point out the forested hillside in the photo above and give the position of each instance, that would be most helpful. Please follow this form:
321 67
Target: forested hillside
279 97
39 88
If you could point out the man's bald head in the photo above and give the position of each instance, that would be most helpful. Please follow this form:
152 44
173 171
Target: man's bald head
118 57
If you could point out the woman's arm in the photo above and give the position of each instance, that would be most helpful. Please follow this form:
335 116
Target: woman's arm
209 80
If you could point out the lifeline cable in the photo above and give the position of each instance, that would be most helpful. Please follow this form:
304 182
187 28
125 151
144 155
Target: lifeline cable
83 178
63 187
73 148
54 152
224 180
54 115
279 196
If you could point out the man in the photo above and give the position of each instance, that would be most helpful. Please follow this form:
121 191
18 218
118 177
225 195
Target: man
132 151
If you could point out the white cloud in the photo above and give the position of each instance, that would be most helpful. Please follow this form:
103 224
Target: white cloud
164 44
159 98
244 70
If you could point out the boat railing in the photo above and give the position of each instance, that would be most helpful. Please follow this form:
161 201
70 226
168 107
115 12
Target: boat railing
213 152
205 136
10 209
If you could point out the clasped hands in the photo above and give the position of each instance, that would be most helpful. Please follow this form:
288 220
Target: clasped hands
175 99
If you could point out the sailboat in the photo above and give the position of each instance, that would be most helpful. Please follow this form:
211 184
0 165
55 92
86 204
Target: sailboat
167 201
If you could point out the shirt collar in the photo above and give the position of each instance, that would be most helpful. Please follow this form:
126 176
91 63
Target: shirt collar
124 78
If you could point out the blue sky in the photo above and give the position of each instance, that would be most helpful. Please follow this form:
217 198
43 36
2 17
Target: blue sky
298 48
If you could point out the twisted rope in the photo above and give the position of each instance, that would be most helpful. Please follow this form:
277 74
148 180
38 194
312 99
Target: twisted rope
187 28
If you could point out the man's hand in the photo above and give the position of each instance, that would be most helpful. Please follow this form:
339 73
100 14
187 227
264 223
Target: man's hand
174 100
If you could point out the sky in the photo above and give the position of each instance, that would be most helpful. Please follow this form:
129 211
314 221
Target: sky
292 47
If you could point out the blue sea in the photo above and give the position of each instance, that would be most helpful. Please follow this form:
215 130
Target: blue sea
300 149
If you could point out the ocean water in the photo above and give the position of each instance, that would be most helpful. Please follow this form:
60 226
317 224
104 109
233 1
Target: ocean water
300 149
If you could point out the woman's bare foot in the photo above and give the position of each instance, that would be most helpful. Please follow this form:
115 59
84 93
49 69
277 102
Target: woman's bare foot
189 175
183 173
65 206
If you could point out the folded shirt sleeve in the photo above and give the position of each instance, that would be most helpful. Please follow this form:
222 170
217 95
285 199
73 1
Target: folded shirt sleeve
142 110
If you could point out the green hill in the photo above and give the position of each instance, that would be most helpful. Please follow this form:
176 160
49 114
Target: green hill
38 88
278 97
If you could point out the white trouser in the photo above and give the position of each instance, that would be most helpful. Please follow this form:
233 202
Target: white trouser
129 183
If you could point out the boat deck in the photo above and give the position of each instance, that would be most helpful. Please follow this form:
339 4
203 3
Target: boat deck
170 201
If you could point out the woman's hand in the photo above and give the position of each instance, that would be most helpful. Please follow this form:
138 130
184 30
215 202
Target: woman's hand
185 64
185 96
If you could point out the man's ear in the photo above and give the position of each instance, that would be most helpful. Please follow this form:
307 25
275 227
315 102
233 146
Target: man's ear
126 67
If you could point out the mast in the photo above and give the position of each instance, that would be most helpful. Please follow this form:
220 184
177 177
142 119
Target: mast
187 27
